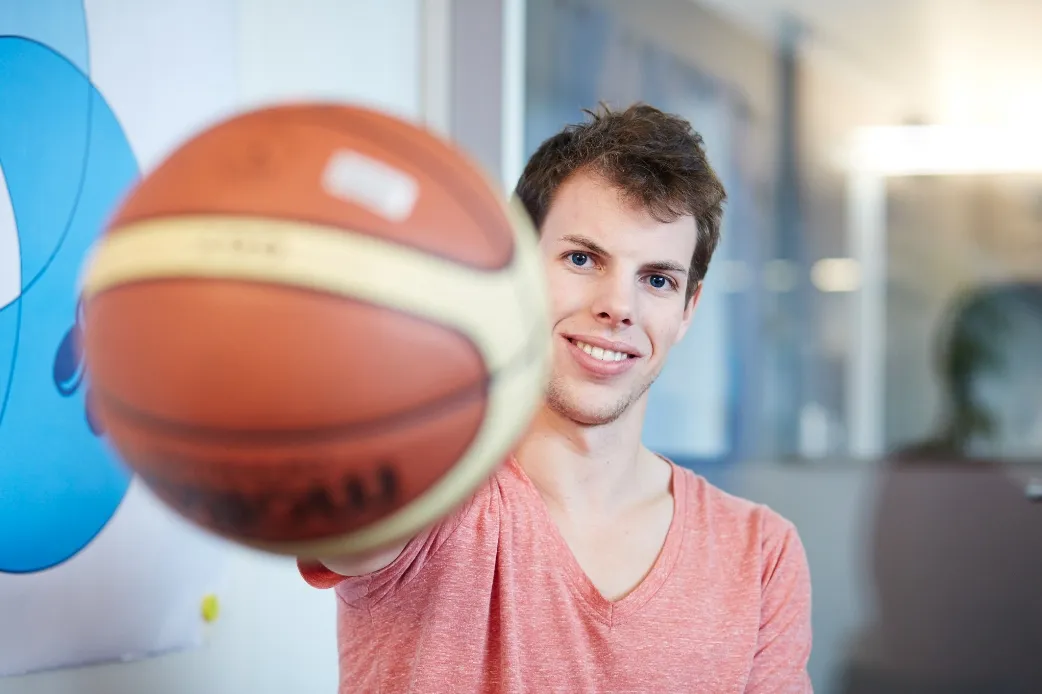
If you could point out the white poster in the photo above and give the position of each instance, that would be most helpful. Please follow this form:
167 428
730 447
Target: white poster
92 95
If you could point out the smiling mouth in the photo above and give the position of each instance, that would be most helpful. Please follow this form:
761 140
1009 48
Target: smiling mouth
601 354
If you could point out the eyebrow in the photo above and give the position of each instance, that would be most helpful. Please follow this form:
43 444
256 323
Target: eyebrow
594 247
666 266
588 244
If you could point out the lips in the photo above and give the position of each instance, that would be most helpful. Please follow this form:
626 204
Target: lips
600 352
601 357
608 345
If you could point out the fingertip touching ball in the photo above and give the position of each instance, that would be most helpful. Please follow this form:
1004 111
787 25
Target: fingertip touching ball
315 329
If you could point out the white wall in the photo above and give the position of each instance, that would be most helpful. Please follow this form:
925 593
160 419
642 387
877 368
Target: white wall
275 634
363 51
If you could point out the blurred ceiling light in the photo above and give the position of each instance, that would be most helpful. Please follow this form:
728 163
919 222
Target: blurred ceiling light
836 275
939 149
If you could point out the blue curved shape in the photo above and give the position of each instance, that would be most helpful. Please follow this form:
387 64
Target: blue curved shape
60 24
67 163
45 117
10 319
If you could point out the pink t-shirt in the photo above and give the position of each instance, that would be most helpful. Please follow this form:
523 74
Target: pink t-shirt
493 600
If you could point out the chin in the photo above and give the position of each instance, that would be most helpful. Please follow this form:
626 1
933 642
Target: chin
585 416
590 409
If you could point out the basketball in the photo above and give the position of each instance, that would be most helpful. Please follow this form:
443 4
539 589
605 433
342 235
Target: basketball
315 329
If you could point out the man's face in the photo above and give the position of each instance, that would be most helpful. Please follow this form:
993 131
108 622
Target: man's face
617 279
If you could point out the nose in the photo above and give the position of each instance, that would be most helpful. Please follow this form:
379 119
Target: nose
614 301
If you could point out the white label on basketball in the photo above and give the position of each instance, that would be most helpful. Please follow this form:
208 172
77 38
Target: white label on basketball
373 184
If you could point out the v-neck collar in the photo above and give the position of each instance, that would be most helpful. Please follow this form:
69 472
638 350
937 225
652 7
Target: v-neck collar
612 611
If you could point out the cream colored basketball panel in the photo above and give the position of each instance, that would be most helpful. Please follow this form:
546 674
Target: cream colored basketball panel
528 270
480 304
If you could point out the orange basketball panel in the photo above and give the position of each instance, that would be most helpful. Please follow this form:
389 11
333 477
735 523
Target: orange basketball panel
247 356
315 163
297 490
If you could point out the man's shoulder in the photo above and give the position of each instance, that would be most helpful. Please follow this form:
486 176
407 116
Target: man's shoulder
729 514
759 544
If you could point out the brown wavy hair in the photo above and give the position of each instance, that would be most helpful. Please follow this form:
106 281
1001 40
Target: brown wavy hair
654 158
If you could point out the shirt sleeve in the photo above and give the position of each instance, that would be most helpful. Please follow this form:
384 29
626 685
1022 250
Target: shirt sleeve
784 643
317 575
380 584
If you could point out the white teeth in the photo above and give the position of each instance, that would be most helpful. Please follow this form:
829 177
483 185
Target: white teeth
600 353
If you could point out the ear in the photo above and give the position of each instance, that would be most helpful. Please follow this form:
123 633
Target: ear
689 313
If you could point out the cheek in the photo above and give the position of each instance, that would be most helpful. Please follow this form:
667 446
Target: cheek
567 292
663 331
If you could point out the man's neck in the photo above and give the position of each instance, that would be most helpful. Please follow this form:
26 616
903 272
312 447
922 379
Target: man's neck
590 469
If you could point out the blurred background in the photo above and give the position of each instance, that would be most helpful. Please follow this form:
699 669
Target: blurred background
867 356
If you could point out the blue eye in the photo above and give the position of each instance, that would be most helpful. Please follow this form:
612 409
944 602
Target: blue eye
658 281
578 258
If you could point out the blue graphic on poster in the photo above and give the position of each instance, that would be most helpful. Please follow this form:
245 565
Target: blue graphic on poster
64 163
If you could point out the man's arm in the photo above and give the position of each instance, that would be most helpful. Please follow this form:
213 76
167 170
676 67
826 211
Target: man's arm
363 564
784 645
328 572
331 571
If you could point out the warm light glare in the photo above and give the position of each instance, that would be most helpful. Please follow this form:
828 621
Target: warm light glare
938 150
836 275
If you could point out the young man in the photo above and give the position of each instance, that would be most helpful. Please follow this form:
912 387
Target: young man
588 563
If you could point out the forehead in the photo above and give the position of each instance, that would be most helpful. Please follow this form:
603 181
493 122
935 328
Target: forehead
585 205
